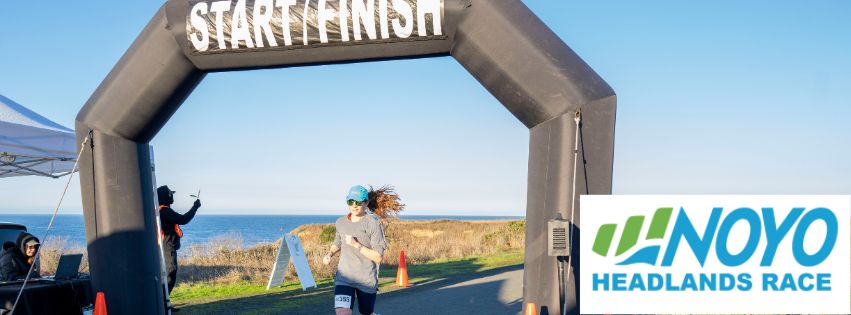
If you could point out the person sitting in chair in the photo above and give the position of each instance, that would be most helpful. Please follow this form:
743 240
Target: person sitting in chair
18 258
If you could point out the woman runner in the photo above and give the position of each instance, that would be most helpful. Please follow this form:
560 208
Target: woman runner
360 240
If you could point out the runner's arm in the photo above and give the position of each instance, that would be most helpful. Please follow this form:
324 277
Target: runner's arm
335 245
333 250
369 253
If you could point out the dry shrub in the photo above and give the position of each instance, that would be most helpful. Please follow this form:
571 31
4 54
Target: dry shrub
314 248
425 241
223 260
422 241
56 246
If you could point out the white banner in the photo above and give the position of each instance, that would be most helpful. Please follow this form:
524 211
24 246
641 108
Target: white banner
247 25
716 254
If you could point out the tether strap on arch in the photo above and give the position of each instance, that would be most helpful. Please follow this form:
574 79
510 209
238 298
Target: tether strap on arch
577 118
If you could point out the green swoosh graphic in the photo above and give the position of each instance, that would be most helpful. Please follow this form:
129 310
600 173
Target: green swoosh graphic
604 239
631 232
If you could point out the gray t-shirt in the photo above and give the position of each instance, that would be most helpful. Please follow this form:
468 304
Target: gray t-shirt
355 269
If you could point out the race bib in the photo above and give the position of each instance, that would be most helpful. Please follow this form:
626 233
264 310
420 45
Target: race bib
343 301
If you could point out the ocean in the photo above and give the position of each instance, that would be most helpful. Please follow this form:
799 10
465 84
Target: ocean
250 229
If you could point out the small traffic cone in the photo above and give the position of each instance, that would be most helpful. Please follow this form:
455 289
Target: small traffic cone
402 272
100 304
531 309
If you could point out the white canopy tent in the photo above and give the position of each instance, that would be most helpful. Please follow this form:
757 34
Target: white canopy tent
31 144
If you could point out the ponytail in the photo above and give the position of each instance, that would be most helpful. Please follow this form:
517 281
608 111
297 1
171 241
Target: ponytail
384 202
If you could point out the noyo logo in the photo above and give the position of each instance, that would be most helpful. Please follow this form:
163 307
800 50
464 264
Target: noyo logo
758 254
760 223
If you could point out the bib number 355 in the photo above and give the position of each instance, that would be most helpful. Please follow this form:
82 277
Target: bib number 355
342 301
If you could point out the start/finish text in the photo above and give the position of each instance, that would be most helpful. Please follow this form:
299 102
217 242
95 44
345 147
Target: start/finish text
236 25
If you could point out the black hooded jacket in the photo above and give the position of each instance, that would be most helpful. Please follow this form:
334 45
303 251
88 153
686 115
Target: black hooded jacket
168 221
13 262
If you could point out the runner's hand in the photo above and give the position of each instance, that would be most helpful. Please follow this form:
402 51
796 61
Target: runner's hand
327 259
197 203
352 241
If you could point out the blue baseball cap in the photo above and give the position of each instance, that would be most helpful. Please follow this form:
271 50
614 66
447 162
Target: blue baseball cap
357 193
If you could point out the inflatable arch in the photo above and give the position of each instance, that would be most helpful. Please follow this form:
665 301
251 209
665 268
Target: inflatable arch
501 43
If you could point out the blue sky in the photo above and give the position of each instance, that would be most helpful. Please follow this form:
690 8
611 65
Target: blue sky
725 97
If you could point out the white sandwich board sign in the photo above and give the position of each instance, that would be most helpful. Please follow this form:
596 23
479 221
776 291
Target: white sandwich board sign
291 249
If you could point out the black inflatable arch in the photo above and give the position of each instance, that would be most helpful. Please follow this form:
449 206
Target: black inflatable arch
501 43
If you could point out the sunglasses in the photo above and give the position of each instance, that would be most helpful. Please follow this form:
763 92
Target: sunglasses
352 202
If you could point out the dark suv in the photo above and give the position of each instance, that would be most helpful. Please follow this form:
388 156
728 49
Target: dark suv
10 231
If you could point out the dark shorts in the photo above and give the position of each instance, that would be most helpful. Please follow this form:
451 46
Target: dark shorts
345 297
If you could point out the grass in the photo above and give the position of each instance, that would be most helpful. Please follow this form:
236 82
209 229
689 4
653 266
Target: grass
204 292
251 298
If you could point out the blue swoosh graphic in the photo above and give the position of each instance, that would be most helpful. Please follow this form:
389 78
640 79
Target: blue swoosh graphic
645 255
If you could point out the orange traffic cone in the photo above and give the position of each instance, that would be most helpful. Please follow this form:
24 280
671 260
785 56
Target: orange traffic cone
402 272
100 304
531 309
